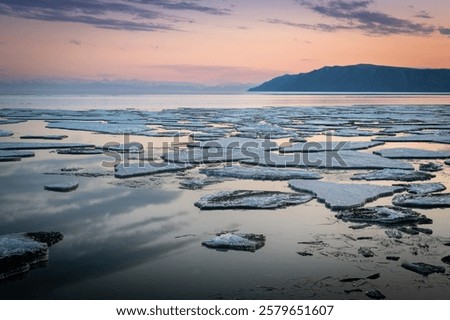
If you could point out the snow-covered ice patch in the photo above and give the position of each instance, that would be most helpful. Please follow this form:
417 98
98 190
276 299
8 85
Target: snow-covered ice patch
147 168
251 199
430 167
19 250
210 155
388 215
393 174
236 143
411 153
260 173
423 188
340 196
62 187
5 133
434 200
330 146
333 160
39 145
417 138
100 127
236 241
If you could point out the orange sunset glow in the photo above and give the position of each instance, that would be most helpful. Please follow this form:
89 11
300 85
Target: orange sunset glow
213 42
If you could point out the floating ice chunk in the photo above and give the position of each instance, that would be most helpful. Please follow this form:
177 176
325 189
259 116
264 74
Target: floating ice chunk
251 199
195 184
393 233
127 147
100 127
260 173
434 200
411 153
210 155
147 168
236 143
375 294
19 250
45 137
236 241
77 151
5 133
424 269
340 196
353 133
16 154
335 160
393 174
423 188
430 167
163 134
38 145
9 121
329 146
417 138
382 215
62 187
366 252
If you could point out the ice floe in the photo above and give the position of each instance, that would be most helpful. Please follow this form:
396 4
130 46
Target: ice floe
131 147
366 252
5 133
62 187
79 151
333 160
434 200
329 146
393 233
100 127
199 183
340 196
251 199
147 168
375 294
423 188
430 167
45 137
424 269
260 173
394 174
411 153
236 143
39 145
353 133
416 138
16 154
209 155
236 241
386 215
20 250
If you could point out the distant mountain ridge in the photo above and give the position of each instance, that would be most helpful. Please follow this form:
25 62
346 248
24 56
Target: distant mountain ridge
361 78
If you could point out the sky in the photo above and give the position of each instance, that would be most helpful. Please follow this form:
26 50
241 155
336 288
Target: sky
215 42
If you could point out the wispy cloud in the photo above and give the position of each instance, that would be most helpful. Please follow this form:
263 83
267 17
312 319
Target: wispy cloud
357 15
131 15
445 31
423 14
184 5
